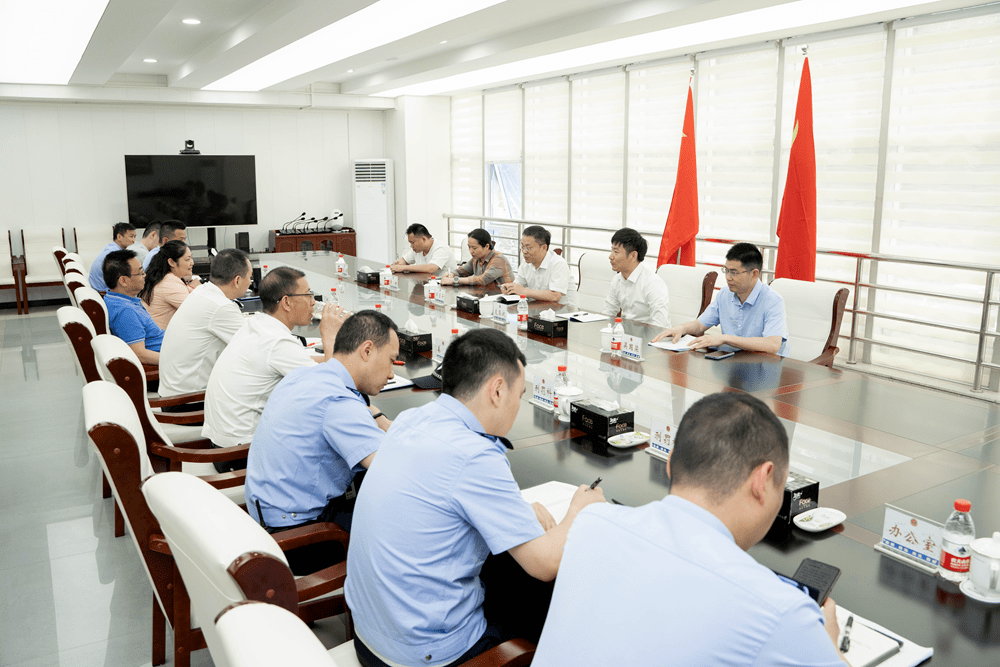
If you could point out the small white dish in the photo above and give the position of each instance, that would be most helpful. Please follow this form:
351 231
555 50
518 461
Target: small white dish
630 439
819 519
969 589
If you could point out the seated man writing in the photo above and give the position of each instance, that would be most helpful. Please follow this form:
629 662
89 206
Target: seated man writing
317 431
751 314
128 319
426 255
672 579
439 499
636 291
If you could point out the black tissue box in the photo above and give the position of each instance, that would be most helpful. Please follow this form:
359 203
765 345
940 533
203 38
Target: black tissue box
368 277
414 343
801 495
550 328
468 303
600 423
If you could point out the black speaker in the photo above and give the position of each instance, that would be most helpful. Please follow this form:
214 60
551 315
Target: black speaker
243 241
255 281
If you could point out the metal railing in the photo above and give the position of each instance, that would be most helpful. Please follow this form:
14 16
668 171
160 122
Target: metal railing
769 250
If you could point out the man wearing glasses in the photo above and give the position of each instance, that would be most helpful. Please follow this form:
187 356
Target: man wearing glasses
751 314
543 275
127 318
261 353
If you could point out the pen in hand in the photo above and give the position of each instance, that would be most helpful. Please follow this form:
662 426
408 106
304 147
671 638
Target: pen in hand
845 642
594 485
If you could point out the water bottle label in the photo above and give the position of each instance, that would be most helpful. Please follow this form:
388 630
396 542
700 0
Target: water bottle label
522 317
616 344
956 562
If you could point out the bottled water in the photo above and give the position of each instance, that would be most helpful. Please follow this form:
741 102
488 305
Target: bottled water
617 336
956 538
341 266
562 381
332 297
522 313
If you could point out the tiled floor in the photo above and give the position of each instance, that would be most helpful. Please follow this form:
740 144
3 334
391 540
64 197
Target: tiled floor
70 593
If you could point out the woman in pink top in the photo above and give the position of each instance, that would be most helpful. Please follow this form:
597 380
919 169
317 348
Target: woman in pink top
168 281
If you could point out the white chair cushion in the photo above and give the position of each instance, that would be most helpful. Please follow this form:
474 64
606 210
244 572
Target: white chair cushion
595 274
264 635
684 284
809 313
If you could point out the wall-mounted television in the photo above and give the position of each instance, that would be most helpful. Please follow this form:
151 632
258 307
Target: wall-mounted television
198 190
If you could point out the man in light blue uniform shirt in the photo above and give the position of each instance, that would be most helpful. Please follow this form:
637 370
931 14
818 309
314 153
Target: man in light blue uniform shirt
672 579
317 430
437 500
751 314
123 234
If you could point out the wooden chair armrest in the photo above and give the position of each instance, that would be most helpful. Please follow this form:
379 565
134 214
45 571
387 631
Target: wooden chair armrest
513 653
180 417
152 372
158 544
227 480
320 583
314 533
179 399
192 455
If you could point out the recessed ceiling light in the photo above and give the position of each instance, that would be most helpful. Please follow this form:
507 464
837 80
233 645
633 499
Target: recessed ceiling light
443 41
149 60
191 21
349 71
786 16
42 42
377 24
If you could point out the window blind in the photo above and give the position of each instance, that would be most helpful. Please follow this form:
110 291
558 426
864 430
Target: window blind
466 160
546 154
502 126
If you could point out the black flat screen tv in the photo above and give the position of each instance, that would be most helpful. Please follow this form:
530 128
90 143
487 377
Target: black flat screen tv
198 190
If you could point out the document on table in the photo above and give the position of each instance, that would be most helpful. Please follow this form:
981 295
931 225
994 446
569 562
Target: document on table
582 316
871 644
683 345
397 382
555 496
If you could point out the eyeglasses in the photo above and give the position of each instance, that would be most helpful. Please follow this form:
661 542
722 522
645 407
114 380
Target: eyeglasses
142 272
309 294
732 272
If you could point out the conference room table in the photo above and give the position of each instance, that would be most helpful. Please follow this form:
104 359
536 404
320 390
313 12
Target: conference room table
866 440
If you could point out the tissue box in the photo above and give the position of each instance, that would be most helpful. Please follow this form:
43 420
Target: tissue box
598 422
468 303
801 495
550 328
414 343
368 278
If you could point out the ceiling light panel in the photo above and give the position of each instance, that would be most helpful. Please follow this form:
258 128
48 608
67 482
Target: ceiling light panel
41 41
375 25
783 17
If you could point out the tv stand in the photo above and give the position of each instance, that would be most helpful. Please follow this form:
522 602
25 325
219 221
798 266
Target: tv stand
344 241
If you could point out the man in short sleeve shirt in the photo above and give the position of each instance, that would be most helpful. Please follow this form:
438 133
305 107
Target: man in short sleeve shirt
171 230
543 275
126 315
438 500
711 603
750 314
426 255
123 235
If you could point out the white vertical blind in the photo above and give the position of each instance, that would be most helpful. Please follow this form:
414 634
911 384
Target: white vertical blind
942 185
735 131
502 126
466 158
546 154
598 156
657 98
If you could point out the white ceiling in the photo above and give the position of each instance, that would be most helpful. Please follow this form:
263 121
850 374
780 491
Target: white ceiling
235 33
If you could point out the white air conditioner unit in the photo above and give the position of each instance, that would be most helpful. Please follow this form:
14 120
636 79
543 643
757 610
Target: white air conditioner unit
374 210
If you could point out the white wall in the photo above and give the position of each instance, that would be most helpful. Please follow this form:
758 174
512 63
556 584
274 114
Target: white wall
61 164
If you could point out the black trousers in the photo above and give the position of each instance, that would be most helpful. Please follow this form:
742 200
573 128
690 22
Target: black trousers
314 557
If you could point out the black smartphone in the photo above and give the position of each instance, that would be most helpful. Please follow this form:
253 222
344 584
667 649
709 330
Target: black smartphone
819 577
719 354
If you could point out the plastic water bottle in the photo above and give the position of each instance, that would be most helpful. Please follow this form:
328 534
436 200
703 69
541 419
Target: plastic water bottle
562 381
332 297
522 313
956 538
385 277
341 266
617 336
263 271
454 336
432 288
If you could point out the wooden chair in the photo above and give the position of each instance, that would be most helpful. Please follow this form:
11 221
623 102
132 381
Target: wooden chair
38 245
90 241
75 266
814 312
10 278
59 253
225 557
91 302
73 280
75 257
691 290
256 634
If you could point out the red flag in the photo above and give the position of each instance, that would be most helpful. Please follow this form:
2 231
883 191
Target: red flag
682 220
797 219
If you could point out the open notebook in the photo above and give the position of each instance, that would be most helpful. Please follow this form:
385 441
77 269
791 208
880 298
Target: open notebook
555 496
871 644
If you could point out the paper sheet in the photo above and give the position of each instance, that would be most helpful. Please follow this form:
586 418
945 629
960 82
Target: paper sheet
555 496
910 655
683 345
582 316
397 382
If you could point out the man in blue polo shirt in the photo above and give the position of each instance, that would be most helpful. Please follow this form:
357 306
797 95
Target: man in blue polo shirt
671 582
438 499
317 431
751 314
123 234
126 315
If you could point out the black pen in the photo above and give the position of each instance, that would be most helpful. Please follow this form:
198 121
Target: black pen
594 485
845 642
616 502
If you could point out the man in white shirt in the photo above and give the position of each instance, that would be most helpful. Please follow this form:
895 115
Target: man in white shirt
426 255
261 353
150 239
543 275
171 230
636 291
203 325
